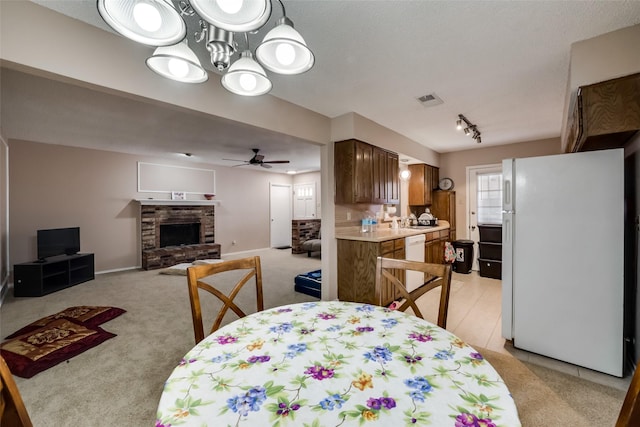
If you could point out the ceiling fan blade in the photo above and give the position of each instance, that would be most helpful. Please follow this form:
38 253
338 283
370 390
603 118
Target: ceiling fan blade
277 161
236 160
243 164
265 165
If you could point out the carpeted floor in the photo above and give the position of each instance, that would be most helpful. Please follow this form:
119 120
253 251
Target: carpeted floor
545 397
120 381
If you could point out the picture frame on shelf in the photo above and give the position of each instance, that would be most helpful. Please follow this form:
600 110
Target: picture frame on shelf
178 195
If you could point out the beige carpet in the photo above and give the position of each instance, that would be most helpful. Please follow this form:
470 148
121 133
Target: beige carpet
120 381
545 397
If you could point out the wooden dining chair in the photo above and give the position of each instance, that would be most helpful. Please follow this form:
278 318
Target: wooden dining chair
196 273
12 410
388 282
629 415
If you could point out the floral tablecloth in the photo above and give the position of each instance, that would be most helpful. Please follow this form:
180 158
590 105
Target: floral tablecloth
331 364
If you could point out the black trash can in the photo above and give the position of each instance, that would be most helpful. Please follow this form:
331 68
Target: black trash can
464 256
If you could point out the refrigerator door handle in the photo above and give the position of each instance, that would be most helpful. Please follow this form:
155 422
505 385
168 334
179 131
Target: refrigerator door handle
507 193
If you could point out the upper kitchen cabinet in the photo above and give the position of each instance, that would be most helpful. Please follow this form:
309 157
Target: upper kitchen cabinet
424 179
605 115
365 174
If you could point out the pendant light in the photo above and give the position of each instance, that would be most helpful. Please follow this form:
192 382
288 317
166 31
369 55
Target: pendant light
284 51
246 77
234 15
150 22
177 62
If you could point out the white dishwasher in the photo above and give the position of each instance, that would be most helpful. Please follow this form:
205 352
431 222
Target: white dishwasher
414 251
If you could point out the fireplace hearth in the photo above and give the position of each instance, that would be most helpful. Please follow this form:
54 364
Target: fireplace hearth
173 234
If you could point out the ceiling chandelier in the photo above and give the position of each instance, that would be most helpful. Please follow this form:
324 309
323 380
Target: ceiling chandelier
469 128
159 23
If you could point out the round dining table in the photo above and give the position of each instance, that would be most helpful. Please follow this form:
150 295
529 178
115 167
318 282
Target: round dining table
334 363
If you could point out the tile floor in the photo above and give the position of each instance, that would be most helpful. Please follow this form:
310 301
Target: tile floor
475 317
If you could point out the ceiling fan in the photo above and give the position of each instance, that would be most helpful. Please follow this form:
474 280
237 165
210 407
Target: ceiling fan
258 160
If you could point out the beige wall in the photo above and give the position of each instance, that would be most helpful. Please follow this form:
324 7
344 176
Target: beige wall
55 186
454 165
4 215
601 58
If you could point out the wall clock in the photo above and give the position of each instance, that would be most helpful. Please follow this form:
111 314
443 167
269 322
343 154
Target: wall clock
446 184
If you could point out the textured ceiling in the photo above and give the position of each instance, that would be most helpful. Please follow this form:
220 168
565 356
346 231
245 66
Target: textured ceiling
503 64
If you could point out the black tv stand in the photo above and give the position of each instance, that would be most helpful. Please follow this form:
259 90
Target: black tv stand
41 277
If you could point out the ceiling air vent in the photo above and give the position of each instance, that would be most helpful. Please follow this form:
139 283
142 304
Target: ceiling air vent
429 100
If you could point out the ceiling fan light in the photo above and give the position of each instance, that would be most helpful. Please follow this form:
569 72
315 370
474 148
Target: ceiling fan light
234 15
150 22
177 62
284 51
246 77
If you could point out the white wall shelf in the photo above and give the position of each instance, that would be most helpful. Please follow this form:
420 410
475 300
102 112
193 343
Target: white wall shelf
177 202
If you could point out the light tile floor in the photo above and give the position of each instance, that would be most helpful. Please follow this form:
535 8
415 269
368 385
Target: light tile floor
475 317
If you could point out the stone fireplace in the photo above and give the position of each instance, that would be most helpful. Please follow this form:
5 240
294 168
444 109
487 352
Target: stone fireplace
192 234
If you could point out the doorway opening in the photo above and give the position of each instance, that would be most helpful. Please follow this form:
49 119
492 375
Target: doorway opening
484 201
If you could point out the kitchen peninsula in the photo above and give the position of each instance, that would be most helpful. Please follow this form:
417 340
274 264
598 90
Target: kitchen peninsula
357 253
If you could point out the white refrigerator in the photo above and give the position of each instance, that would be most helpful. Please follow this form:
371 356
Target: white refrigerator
562 259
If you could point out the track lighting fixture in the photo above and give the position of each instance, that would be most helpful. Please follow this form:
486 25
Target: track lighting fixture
470 128
163 23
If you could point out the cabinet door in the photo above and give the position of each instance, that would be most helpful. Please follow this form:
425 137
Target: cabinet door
416 185
379 179
353 170
363 172
393 179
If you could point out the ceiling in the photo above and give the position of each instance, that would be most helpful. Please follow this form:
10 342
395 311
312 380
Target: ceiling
503 64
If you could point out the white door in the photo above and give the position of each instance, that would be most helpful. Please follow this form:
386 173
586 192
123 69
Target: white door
280 215
474 176
304 196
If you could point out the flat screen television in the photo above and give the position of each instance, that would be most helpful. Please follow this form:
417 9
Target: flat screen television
58 241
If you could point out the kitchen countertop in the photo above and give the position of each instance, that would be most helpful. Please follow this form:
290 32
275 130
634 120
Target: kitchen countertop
384 233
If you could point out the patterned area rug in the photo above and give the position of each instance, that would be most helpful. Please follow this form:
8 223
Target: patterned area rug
56 338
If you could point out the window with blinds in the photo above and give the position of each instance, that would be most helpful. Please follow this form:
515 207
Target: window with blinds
489 198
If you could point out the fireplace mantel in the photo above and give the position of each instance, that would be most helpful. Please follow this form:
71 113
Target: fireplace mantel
169 202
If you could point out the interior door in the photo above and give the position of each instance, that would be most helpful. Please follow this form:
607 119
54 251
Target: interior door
281 207
473 172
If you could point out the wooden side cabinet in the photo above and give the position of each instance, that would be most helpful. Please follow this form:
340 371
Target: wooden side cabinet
444 207
365 174
34 279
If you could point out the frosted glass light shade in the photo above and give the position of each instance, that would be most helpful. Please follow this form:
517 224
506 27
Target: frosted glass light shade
251 15
284 51
246 77
177 62
129 18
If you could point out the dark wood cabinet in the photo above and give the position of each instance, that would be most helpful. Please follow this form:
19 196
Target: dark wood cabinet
357 269
365 174
434 246
34 279
605 114
443 206
393 179
424 178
